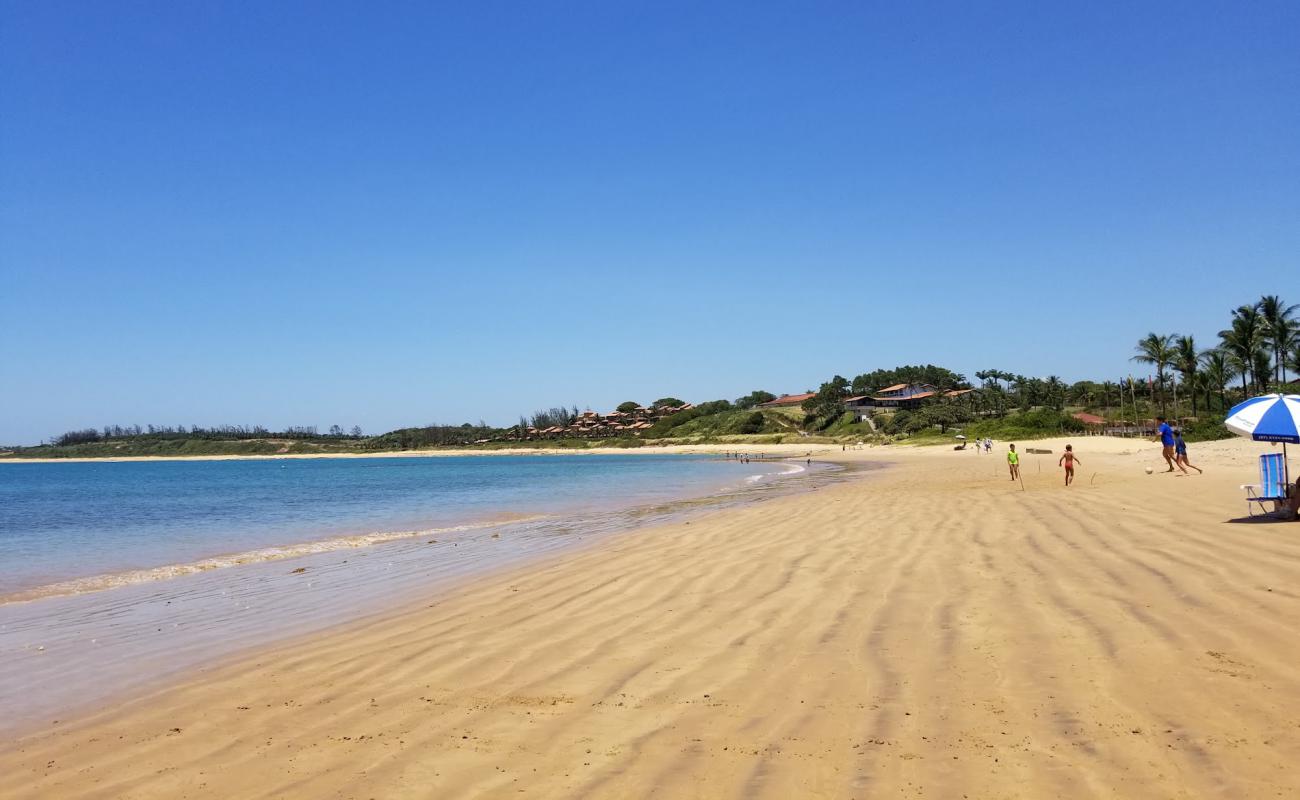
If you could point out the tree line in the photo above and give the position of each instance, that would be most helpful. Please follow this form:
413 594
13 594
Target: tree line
1259 346
434 435
110 433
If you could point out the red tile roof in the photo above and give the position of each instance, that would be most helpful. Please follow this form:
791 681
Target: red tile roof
917 396
789 399
1088 419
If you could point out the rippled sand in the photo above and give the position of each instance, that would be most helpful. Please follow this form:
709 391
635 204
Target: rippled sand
930 631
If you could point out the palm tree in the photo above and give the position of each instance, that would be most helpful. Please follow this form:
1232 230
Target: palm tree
1026 390
1054 388
1280 328
1158 351
1293 358
1242 341
1262 367
1201 387
1186 360
1218 371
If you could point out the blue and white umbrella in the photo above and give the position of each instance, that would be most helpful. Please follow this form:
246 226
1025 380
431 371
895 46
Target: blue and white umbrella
1268 418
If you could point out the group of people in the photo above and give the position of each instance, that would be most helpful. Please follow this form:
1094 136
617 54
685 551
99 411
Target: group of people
1171 439
1068 460
1174 448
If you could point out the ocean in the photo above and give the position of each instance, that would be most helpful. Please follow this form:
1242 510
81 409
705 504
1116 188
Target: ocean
77 526
116 575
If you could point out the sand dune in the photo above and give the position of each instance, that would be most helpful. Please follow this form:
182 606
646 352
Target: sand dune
933 630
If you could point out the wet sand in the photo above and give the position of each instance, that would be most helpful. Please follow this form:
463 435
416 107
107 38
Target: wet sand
933 630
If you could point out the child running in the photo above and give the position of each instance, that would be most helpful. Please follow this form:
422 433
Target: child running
1013 462
1069 459
1180 453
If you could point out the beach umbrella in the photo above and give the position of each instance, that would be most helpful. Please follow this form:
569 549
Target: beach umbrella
1268 418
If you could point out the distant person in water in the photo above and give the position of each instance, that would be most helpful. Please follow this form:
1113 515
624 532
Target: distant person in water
1068 460
1166 435
1013 462
1180 453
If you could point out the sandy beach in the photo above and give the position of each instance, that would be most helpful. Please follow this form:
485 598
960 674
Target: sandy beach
932 630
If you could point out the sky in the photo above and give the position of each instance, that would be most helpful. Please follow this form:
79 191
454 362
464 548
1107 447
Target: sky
398 214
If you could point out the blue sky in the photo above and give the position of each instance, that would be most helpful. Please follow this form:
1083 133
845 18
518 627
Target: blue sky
331 213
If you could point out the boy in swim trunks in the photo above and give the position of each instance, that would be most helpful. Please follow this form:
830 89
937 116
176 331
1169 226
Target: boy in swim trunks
1013 462
1069 459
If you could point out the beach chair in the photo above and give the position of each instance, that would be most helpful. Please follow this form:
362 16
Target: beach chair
1272 486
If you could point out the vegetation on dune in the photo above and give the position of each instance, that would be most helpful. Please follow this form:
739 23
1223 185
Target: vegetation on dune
1260 349
183 447
432 436
754 398
222 433
723 422
1034 424
827 404
666 425
551 417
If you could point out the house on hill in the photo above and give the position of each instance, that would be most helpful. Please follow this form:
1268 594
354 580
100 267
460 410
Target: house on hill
590 424
908 396
904 395
787 400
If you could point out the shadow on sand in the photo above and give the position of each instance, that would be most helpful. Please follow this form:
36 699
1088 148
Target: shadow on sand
1260 519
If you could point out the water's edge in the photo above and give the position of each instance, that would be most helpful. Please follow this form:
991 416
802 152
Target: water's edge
75 654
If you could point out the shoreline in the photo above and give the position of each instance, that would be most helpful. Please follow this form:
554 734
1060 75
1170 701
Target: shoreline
107 581
937 630
793 448
206 616
288 550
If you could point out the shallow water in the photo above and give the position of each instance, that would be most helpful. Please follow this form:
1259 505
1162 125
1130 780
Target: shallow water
74 652
113 523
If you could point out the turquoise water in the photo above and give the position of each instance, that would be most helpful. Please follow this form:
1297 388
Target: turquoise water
116 576
65 521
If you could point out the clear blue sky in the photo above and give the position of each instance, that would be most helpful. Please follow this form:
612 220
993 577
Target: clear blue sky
389 215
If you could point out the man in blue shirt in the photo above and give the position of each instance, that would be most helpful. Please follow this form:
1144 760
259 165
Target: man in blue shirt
1166 434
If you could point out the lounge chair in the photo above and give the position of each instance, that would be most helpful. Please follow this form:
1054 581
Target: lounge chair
1272 486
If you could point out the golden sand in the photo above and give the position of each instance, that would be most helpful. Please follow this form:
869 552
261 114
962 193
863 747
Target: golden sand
933 630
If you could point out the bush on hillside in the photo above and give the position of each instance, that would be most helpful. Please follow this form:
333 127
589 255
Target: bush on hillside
1036 424
754 398
1208 430
663 427
894 423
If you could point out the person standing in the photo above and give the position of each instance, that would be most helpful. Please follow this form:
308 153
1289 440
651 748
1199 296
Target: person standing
1013 462
1068 460
1180 453
1166 435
